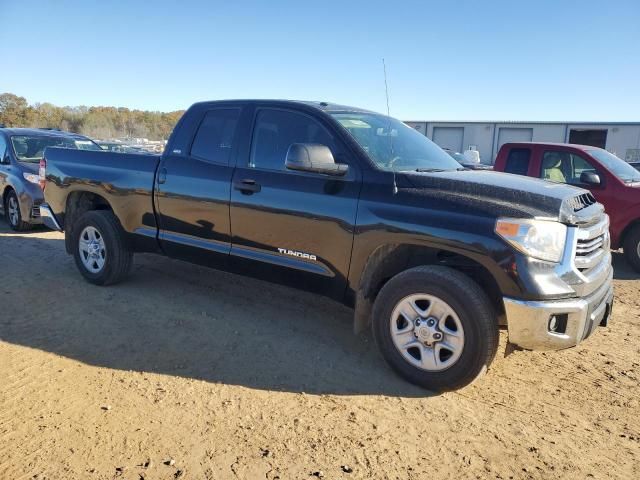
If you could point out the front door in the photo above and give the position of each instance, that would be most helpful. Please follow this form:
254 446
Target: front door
193 191
565 166
296 226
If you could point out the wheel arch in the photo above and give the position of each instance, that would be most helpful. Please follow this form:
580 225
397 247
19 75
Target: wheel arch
389 260
630 226
77 203
7 189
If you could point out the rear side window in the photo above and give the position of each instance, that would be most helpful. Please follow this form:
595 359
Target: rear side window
214 138
518 161
276 130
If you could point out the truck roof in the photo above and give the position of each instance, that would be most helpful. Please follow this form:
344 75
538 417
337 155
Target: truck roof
554 144
324 106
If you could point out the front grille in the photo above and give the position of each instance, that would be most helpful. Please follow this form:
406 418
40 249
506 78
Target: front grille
581 202
592 245
35 211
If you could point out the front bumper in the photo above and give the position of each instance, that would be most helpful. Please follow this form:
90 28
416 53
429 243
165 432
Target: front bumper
530 322
48 218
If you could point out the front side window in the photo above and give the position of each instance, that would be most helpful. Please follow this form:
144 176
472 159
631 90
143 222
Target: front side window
214 138
564 167
518 161
276 130
392 145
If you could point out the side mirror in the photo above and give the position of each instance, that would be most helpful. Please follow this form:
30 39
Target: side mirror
5 159
590 178
311 157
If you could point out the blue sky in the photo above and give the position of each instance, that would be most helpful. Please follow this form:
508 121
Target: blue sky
446 60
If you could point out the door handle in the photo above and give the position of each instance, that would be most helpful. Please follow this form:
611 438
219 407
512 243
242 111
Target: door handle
162 175
247 187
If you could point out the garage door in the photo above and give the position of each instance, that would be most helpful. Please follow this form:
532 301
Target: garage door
508 134
449 137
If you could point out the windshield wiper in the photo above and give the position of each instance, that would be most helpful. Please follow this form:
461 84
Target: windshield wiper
431 170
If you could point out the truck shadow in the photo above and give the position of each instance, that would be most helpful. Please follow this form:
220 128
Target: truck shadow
175 318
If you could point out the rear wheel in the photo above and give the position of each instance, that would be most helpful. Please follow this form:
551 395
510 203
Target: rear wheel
12 213
435 327
100 249
631 247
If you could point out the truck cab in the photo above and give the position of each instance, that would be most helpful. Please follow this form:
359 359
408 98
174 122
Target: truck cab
612 181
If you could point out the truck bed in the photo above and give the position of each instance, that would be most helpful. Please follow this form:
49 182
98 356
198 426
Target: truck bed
125 180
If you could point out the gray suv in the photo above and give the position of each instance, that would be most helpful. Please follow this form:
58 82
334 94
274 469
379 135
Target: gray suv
21 150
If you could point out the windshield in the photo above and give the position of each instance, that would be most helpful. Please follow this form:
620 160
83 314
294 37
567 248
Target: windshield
30 148
460 158
392 145
617 166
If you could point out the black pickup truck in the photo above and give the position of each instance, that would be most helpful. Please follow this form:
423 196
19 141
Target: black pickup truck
356 206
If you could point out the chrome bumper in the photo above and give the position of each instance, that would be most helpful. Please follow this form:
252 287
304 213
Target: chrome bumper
531 323
48 218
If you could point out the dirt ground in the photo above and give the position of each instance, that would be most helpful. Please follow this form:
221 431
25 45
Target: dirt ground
184 372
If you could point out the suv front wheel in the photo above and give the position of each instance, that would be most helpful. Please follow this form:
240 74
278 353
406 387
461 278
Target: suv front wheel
12 213
435 327
631 248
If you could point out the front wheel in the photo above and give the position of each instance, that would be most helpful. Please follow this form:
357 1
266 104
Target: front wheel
435 327
12 213
100 249
631 248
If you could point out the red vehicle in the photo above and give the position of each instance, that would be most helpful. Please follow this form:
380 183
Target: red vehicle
612 181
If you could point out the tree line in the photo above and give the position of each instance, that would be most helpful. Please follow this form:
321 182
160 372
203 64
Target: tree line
95 122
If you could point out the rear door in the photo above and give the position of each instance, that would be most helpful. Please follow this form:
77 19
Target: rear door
193 190
295 227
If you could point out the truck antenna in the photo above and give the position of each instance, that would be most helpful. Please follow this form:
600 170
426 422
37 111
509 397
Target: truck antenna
386 92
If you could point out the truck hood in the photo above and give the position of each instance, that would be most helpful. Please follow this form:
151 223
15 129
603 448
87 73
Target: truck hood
29 167
504 194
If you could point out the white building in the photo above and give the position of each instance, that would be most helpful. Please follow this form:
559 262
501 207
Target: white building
620 138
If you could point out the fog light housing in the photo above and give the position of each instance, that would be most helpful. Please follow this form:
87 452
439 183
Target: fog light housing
558 323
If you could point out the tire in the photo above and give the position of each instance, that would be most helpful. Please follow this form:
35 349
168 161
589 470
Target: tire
461 314
104 257
631 247
12 213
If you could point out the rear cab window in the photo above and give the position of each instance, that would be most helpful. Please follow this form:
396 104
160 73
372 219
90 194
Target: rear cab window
214 140
518 161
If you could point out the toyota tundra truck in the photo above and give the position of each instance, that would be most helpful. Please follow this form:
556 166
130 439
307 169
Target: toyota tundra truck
359 207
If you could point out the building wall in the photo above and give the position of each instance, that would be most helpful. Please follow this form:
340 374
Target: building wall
622 139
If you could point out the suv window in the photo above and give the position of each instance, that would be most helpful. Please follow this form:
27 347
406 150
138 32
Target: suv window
214 138
3 148
518 161
276 130
564 167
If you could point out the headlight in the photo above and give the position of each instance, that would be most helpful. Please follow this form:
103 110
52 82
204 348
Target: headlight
536 238
31 178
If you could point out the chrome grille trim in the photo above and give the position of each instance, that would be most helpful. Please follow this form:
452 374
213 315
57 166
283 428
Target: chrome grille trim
592 246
